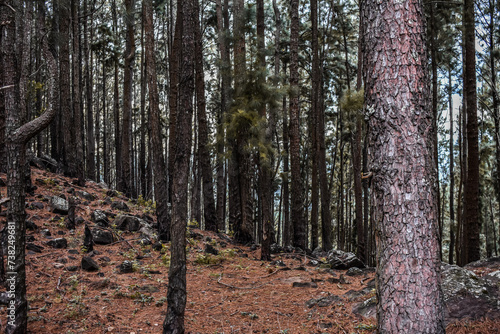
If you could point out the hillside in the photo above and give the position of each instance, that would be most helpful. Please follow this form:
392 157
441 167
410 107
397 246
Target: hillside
229 289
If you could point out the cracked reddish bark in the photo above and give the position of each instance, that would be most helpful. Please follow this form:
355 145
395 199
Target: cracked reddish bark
402 162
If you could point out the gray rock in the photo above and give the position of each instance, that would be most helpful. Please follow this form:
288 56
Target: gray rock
59 205
100 218
58 243
120 206
126 267
147 231
89 264
343 260
102 237
128 223
85 195
304 285
456 280
71 268
323 301
354 272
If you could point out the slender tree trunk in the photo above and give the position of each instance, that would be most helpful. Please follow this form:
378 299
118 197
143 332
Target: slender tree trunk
205 167
173 99
91 172
126 180
176 295
452 174
143 128
160 177
79 162
116 106
402 161
297 214
471 190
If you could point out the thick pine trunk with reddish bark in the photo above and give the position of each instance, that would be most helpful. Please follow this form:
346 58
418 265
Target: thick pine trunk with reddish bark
403 166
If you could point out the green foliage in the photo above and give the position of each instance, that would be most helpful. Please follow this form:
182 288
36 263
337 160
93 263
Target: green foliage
207 259
352 101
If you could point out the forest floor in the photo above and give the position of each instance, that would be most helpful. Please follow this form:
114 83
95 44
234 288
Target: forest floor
232 292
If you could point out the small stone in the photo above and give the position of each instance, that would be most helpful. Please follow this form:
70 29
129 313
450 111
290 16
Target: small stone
354 272
62 260
58 265
128 223
304 285
126 267
73 251
31 225
71 268
34 248
157 246
89 264
46 232
37 206
58 243
85 195
59 205
118 205
211 250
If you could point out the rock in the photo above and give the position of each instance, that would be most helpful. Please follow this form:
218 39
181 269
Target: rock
62 260
30 238
31 225
145 241
35 248
343 260
157 246
313 263
59 205
58 243
58 265
354 271
89 264
88 241
128 223
195 235
73 251
304 285
211 249
118 205
253 247
79 220
100 218
85 195
112 193
46 232
278 263
456 280
147 231
288 249
323 301
367 308
37 206
71 268
102 237
126 267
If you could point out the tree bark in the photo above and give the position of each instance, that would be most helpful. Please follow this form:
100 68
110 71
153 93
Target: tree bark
17 137
91 168
472 227
297 209
203 141
126 180
176 295
160 177
402 162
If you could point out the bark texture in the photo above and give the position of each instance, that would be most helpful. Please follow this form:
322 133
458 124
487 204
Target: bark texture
160 176
402 161
176 295
297 209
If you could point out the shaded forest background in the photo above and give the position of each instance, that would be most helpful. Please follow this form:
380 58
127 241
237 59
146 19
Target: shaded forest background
274 149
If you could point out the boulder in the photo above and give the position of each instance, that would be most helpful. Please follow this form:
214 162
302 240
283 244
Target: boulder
100 218
128 223
33 247
211 249
102 237
59 205
89 264
343 260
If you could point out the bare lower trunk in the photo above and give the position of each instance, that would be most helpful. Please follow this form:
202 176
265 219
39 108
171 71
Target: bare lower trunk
402 161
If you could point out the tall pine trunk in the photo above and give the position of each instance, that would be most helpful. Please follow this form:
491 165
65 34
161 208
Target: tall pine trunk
402 161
